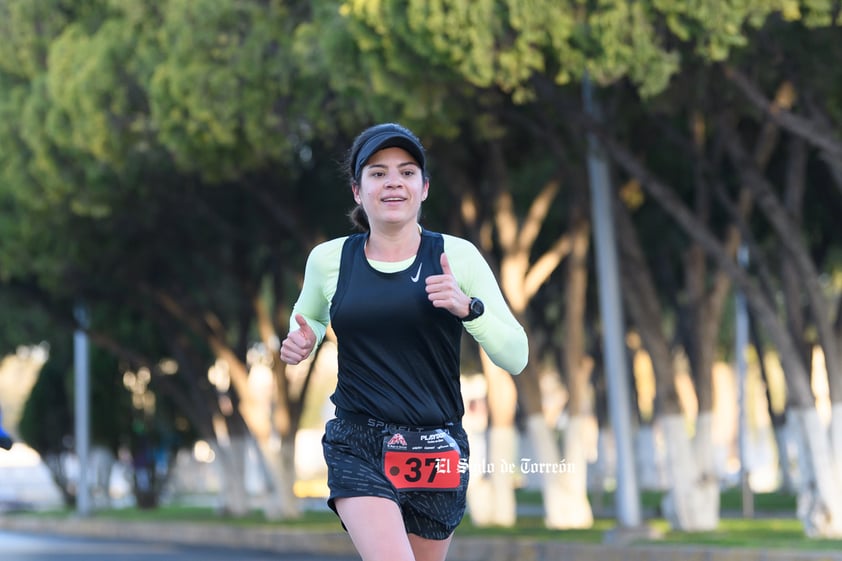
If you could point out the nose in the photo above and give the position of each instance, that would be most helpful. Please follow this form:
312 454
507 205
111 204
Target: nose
394 179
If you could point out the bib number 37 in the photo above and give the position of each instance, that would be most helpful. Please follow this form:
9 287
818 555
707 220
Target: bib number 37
422 460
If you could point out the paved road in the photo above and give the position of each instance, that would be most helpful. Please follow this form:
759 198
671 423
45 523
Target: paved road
32 547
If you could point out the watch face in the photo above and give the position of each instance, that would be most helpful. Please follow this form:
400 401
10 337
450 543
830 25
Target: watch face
475 309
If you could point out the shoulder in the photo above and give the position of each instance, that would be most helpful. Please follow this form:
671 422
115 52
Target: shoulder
327 253
331 245
450 241
459 246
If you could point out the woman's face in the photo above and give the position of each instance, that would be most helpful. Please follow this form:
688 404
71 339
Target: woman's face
391 188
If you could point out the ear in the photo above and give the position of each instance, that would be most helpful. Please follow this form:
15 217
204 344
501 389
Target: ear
426 190
355 189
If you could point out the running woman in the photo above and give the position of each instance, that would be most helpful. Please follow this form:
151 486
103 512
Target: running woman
398 298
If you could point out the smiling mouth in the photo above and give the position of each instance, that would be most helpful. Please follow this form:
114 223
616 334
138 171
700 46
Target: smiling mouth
393 200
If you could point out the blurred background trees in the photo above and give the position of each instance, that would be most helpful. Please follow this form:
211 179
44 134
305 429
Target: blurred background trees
170 164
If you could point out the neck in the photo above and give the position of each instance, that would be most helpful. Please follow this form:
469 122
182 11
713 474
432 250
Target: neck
393 245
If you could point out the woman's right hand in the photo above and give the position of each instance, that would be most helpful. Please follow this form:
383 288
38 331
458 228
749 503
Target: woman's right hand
299 343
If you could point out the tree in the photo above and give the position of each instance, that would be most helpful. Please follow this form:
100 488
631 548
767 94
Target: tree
527 53
139 135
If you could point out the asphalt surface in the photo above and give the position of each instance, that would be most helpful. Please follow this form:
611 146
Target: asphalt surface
16 546
77 539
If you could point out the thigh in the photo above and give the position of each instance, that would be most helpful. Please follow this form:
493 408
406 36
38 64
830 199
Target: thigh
434 515
429 550
376 527
354 463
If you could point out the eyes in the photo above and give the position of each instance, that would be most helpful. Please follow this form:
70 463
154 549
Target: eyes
378 172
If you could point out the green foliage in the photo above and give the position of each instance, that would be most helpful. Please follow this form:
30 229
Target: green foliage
172 161
511 43
28 28
110 426
151 435
46 424
213 97
508 44
20 323
380 61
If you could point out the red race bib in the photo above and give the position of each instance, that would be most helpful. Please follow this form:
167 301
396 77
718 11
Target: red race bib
422 460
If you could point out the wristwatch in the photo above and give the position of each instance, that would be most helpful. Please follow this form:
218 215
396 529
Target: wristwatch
475 309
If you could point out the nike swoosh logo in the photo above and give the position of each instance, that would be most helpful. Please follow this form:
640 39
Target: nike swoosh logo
417 273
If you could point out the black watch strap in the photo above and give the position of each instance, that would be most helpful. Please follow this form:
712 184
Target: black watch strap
475 309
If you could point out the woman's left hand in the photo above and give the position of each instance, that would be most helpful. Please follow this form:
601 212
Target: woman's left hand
444 292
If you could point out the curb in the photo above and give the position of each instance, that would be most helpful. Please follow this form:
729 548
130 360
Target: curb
337 543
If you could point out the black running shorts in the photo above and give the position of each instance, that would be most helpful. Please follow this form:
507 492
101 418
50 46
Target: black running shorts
353 454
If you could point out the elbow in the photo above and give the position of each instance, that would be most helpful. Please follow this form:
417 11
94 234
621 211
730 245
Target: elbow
522 356
510 353
519 367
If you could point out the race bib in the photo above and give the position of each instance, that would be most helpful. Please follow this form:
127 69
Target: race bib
422 460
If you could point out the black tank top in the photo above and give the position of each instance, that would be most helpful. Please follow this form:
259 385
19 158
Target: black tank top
398 355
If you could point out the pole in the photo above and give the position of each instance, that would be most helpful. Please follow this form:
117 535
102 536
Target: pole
82 415
741 344
611 309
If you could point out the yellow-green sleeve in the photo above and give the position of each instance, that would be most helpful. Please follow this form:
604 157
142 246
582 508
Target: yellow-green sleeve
320 275
497 331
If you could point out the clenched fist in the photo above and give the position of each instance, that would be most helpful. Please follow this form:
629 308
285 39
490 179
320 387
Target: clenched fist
299 343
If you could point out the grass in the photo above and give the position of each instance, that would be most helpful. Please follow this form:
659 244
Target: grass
775 526
310 520
533 527
730 501
765 533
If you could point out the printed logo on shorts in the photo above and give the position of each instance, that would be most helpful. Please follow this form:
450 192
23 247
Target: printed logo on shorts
396 441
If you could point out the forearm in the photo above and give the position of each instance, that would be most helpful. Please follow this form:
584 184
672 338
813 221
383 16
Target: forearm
319 285
497 330
502 338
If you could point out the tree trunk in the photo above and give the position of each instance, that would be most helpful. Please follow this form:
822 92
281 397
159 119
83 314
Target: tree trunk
692 503
502 448
545 448
836 437
564 481
491 492
818 505
704 307
280 502
520 279
786 458
777 414
101 463
253 406
765 311
230 461
647 457
56 465
800 275
278 449
475 423
566 503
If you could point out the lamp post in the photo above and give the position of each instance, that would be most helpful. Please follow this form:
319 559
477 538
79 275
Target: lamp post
611 311
741 344
82 410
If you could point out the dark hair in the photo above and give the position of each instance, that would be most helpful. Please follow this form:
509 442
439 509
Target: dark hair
359 219
367 143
